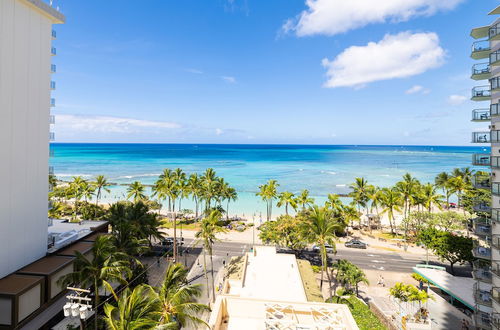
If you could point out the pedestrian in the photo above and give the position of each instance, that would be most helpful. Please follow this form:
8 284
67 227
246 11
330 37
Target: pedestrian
158 262
223 263
379 281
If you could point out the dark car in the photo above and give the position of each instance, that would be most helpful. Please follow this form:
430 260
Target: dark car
356 244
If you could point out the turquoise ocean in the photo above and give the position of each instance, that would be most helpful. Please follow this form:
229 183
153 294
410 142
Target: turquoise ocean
320 169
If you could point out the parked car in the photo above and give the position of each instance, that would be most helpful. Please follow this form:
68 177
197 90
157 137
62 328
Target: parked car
356 244
170 241
329 248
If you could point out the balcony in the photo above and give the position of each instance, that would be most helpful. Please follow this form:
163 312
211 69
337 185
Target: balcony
495 84
51 170
481 160
479 115
495 161
482 271
481 93
52 85
481 71
494 135
54 34
495 215
495 320
52 119
481 181
481 296
480 49
482 207
52 102
481 137
482 319
53 68
481 252
482 226
494 32
494 110
52 136
53 51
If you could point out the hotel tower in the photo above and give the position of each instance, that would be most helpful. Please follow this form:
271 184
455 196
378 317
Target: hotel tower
486 226
26 68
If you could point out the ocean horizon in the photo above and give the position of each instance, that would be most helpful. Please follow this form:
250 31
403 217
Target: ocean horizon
322 169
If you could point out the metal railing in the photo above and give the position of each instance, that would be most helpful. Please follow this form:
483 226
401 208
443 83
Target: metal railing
495 83
54 34
481 137
482 226
481 252
482 319
481 181
495 136
52 102
52 85
52 119
495 188
53 51
482 271
482 207
481 114
494 57
480 68
52 136
493 31
494 110
481 160
495 320
53 68
480 45
481 91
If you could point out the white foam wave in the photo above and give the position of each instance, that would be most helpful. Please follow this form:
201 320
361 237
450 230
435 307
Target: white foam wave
340 185
138 176
67 175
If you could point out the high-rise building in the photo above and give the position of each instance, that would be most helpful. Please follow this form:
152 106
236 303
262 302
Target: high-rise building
486 226
26 67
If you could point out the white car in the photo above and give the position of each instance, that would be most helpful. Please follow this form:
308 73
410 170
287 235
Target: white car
329 248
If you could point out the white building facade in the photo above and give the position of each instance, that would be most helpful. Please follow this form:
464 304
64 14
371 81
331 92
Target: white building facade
26 53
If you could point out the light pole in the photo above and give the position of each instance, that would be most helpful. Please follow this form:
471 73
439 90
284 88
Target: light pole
253 234
78 305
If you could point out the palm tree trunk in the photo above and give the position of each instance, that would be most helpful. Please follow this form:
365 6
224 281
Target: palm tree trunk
227 210
96 298
286 208
175 238
196 206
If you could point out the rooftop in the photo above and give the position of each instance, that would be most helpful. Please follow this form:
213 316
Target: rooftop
46 10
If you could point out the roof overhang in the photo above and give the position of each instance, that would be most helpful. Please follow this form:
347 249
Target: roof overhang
480 32
43 8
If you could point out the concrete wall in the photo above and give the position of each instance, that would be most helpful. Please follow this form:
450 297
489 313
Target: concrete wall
25 43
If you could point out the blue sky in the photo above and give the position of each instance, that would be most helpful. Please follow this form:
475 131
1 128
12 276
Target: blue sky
255 71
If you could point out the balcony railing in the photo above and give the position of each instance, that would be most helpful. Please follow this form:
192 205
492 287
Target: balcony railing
481 181
495 215
51 170
52 136
481 115
495 136
52 119
494 110
481 45
53 51
53 68
482 252
482 320
52 85
481 137
495 188
495 83
482 271
494 57
480 93
494 32
52 102
482 207
495 320
482 297
482 226
54 34
481 159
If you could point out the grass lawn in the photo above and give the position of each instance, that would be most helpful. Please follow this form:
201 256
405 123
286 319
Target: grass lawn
313 292
188 226
364 317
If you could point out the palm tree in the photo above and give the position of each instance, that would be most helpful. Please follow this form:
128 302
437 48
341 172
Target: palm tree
194 184
136 191
75 190
101 184
177 298
268 193
466 173
288 199
304 200
320 227
442 181
334 203
180 183
360 194
230 194
135 309
87 191
207 235
431 197
458 186
210 183
391 202
408 188
104 265
376 196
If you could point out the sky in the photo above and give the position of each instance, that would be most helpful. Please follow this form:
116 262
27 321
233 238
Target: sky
267 71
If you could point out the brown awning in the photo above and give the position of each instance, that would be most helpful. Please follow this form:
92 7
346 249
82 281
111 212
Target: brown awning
15 284
46 266
92 237
82 247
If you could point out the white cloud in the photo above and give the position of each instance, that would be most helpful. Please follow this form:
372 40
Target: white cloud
218 131
396 56
108 124
332 17
418 89
229 79
191 70
456 99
